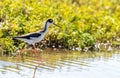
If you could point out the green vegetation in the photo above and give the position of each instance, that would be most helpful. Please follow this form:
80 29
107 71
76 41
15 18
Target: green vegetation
83 22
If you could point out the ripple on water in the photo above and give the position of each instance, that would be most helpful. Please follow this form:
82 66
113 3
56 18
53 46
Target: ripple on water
58 65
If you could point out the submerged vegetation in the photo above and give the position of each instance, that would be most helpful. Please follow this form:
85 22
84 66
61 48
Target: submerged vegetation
83 23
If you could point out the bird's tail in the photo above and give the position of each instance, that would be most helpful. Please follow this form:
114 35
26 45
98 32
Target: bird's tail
14 38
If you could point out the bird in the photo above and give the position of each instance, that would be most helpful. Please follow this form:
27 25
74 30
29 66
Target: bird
35 37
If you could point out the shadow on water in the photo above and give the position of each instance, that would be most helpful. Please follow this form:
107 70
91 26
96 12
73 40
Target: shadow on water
63 64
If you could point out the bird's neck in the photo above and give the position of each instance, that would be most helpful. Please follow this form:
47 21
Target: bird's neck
45 28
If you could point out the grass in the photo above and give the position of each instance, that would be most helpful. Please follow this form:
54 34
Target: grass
83 23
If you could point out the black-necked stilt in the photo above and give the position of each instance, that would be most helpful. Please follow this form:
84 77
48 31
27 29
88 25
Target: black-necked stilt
33 38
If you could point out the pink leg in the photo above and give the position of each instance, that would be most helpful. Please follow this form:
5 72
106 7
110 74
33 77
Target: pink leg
39 59
36 69
36 54
19 55
35 50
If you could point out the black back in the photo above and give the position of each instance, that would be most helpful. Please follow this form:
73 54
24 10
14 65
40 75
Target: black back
30 36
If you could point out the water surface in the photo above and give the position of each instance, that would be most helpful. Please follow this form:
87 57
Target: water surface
63 64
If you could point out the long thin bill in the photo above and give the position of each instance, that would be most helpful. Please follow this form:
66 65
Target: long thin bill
56 25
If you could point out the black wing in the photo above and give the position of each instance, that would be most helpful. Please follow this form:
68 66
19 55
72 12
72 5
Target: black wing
28 36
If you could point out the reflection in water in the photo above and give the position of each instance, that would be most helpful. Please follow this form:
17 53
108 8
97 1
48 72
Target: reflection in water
64 65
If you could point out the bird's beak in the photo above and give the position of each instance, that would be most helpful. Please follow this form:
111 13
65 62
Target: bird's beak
56 25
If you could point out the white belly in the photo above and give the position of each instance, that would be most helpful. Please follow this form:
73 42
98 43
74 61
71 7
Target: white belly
39 38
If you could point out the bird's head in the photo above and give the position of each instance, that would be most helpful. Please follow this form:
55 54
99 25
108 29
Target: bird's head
50 22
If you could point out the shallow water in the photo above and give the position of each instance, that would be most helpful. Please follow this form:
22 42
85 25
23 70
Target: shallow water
59 64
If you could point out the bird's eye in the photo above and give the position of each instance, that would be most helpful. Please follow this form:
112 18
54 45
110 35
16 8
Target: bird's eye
50 20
